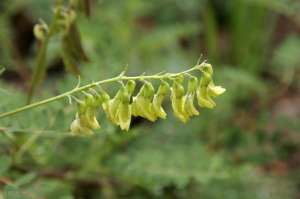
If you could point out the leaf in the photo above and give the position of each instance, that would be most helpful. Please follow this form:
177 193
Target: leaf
12 192
25 179
2 69
5 162
39 69
286 58
159 158
85 6
69 61
285 7
47 188
75 44
72 50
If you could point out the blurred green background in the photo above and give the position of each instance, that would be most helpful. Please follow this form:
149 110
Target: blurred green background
246 148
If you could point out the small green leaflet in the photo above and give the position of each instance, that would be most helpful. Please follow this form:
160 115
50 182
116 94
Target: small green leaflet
2 69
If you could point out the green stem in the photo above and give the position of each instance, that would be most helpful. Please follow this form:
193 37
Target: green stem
82 88
40 67
211 32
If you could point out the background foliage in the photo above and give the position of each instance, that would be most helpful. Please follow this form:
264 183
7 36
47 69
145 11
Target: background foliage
248 147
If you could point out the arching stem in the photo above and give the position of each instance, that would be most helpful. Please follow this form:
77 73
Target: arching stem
91 85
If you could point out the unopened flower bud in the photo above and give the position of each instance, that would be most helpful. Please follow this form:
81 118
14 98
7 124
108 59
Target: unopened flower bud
40 31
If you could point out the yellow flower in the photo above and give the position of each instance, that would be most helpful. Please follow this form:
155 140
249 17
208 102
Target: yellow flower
190 95
92 120
124 110
142 103
178 101
105 101
189 105
118 109
203 97
124 116
78 129
215 91
158 99
207 89
87 112
112 108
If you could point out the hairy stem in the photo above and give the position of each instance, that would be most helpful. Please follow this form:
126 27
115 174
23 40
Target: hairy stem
91 85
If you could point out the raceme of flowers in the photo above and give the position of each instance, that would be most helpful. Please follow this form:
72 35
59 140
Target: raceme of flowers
147 103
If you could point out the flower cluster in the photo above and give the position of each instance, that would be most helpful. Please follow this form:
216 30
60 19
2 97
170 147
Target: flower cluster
147 103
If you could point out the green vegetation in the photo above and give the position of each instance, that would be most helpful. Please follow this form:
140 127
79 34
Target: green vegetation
246 147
